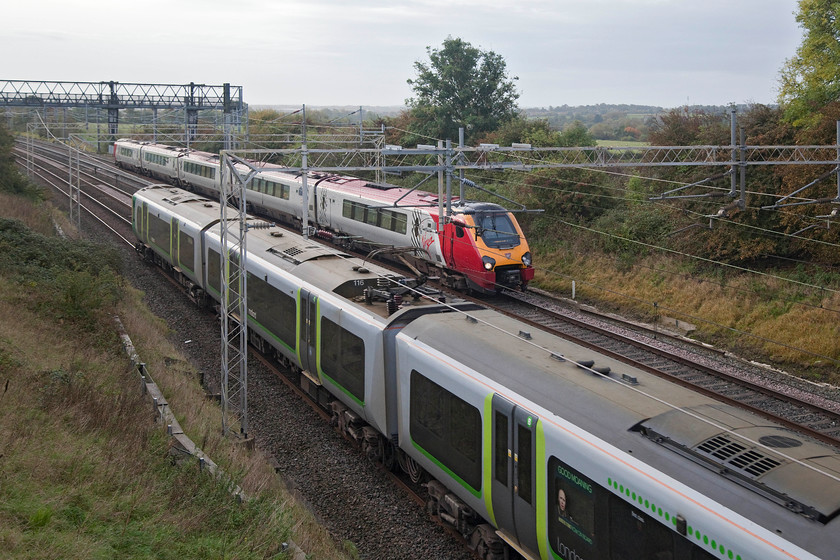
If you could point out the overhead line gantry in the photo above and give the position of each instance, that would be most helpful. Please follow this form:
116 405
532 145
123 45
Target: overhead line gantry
113 96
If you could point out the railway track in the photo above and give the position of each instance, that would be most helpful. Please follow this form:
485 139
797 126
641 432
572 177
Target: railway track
102 202
105 189
705 370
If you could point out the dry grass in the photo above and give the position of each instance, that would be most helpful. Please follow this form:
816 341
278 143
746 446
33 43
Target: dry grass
85 470
36 217
759 318
201 420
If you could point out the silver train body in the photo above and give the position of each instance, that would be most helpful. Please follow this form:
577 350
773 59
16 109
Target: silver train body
533 444
481 248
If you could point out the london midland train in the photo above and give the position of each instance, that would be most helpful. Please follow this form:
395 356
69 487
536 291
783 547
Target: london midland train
480 247
528 443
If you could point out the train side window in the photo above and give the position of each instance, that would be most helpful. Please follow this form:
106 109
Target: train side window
159 233
343 358
428 406
214 274
214 269
501 448
186 250
464 425
385 218
447 427
273 309
400 221
353 210
524 451
635 534
571 508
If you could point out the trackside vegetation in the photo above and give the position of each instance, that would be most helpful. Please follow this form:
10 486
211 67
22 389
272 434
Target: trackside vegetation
85 472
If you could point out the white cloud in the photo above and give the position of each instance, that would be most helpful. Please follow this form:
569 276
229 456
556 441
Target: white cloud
658 52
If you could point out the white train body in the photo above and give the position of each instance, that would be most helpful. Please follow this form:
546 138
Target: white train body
481 248
553 448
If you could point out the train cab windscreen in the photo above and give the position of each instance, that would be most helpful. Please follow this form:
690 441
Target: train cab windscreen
496 229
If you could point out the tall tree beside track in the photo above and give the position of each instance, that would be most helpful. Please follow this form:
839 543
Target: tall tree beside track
811 79
461 86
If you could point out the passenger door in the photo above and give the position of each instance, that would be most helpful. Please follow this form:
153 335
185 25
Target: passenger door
514 471
173 243
140 221
307 332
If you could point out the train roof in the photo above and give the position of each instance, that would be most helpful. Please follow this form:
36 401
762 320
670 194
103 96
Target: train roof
206 157
329 270
338 273
191 207
390 196
767 473
164 149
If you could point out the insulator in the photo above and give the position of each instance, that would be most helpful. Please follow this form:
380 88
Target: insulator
392 307
260 225
398 299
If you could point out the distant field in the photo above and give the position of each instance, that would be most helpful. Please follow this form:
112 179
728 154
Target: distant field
622 143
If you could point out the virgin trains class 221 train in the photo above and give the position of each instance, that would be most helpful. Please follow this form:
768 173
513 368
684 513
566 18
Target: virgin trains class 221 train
530 443
480 247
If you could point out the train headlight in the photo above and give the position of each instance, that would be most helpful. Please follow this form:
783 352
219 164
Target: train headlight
526 258
489 262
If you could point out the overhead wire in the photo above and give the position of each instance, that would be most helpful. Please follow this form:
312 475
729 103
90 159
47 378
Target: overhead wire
822 289
552 352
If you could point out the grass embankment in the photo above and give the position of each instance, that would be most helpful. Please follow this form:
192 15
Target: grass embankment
772 317
84 469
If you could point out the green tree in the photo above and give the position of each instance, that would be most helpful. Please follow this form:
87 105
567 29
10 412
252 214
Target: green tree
536 132
461 86
11 180
811 79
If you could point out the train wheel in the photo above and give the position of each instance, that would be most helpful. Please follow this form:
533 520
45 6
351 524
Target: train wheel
388 454
486 544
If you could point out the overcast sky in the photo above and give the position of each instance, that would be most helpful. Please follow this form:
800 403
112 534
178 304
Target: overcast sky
361 52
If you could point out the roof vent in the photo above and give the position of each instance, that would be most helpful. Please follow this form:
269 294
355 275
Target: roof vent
779 442
721 447
740 446
737 456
